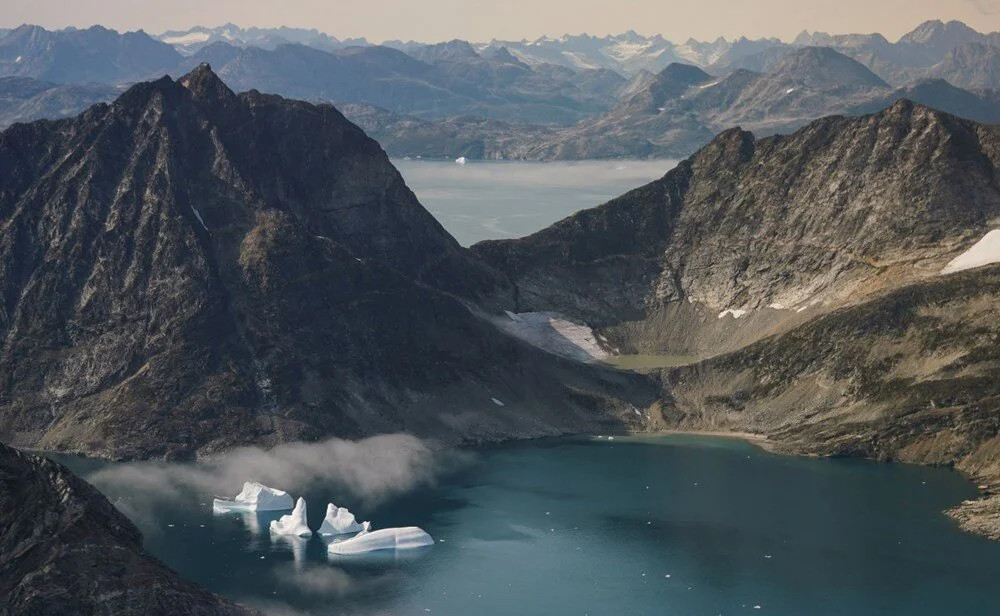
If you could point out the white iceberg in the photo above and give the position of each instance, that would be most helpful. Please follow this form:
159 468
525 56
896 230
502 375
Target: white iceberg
461 160
339 521
404 538
985 252
294 523
255 497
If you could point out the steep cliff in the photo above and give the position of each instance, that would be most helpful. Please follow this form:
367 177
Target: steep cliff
64 549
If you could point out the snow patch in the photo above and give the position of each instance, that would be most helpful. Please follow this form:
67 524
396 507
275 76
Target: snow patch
709 85
405 538
198 216
789 90
552 332
255 497
984 252
736 313
776 306
294 523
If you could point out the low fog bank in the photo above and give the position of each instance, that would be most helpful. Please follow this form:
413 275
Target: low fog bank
367 471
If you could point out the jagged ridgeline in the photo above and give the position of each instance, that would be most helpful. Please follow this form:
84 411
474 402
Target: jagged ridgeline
188 269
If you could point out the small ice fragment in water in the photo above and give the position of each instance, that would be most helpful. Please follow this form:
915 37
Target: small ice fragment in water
461 160
496 402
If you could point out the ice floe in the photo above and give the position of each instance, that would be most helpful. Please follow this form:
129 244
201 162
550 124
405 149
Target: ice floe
461 160
985 252
339 521
403 538
255 497
294 523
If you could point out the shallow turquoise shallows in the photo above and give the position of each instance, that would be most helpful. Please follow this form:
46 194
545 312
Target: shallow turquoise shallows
668 525
488 200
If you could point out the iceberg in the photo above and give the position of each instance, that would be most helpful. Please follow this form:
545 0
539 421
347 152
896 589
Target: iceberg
255 497
339 521
461 160
293 523
403 538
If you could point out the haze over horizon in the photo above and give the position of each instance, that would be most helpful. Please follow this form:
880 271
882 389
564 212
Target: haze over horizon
438 20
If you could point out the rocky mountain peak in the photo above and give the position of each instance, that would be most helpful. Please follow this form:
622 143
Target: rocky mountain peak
204 84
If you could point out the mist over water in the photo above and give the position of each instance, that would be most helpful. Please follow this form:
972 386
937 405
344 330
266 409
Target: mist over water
485 200
367 471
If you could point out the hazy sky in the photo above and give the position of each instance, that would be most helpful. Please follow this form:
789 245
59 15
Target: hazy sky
480 20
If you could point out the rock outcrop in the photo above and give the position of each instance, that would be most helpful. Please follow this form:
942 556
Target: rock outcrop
64 549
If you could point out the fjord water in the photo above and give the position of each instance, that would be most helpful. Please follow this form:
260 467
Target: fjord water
484 200
660 525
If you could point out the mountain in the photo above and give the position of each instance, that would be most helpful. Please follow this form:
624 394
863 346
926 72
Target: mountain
775 229
445 85
23 99
674 113
187 269
971 66
96 54
468 136
66 550
191 40
935 38
807 271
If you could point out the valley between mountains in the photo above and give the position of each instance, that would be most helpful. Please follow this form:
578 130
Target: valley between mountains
188 269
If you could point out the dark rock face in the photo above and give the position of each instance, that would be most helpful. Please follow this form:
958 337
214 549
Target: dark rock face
64 549
187 269
830 214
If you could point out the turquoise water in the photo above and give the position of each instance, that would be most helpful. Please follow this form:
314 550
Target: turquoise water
496 199
669 525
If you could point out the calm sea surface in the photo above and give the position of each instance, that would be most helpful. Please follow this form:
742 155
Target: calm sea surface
495 200
667 525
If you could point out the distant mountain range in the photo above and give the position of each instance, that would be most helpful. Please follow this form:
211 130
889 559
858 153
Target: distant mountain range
566 98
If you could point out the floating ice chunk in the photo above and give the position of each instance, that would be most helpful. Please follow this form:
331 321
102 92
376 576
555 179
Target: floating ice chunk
339 521
985 252
255 497
497 402
18 59
404 538
293 523
461 160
